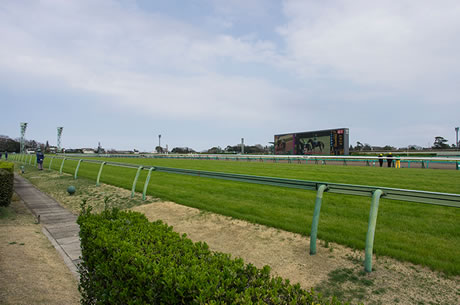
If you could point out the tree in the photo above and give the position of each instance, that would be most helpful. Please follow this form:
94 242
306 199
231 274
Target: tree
389 147
215 150
440 143
182 150
9 145
367 147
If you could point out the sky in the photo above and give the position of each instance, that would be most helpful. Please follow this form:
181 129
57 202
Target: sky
206 73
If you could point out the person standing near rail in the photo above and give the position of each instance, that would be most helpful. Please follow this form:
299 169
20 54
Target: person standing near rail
398 162
381 160
40 158
389 159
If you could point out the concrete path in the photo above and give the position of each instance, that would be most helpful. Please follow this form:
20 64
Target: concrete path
59 224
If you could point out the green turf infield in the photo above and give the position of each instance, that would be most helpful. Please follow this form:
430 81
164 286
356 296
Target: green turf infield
423 234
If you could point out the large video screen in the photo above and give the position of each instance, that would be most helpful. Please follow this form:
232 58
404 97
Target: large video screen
322 142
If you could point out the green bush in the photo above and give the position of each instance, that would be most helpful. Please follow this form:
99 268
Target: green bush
129 260
6 183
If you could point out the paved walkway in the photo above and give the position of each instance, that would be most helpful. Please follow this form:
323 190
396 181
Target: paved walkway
59 224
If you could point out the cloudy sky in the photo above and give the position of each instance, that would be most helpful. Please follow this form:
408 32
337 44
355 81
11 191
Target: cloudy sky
206 73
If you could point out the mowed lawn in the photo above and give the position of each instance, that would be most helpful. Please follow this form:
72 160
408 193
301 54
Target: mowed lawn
423 234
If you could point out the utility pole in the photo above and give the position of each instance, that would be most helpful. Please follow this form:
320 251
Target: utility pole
159 140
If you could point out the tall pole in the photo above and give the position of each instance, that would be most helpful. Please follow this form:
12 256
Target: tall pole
59 134
159 140
242 146
23 132
456 138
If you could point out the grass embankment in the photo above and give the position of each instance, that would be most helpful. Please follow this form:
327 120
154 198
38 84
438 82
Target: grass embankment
419 233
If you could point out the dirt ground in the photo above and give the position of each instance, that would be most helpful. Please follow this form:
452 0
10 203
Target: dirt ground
334 270
31 270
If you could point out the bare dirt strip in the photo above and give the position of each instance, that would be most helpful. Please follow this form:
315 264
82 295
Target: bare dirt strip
334 269
31 270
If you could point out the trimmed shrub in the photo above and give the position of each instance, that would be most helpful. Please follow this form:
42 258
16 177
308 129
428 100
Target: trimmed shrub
6 183
129 260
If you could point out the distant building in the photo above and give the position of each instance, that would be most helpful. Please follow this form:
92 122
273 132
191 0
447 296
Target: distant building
88 150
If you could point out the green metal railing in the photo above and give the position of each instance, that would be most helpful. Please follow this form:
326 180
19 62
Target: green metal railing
407 161
375 192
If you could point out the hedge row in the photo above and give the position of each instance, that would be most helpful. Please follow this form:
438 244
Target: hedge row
6 182
128 260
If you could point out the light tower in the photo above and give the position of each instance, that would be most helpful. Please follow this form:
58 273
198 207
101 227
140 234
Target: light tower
159 140
23 132
456 131
59 134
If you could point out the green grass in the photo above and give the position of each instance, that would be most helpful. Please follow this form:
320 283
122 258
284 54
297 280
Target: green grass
336 285
419 233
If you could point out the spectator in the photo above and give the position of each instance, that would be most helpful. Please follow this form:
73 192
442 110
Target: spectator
389 159
40 158
381 160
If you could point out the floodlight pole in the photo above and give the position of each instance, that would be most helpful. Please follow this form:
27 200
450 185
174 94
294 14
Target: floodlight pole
23 132
159 140
456 138
59 134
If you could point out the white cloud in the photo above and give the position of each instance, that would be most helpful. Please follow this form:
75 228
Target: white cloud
402 45
360 62
135 58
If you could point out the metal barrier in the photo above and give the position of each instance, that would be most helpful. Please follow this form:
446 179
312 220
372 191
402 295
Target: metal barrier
423 162
435 198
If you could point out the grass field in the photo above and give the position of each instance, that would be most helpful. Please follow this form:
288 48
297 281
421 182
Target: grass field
423 234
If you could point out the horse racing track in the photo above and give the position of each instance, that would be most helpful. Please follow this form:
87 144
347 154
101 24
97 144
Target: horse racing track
419 233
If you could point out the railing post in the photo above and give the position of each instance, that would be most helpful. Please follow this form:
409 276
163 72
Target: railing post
30 160
62 166
314 225
345 162
371 230
146 184
135 180
76 169
458 165
51 162
100 172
